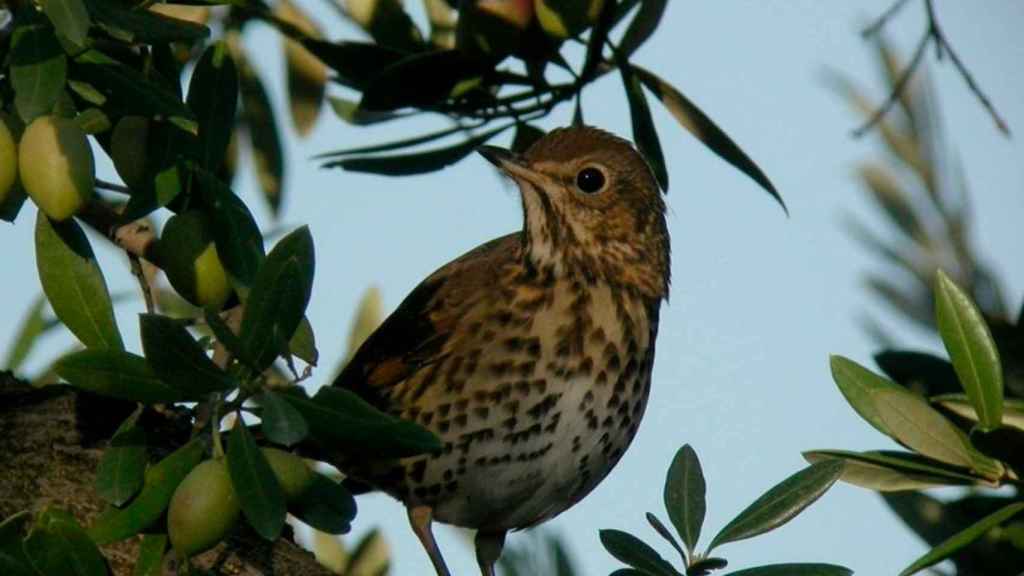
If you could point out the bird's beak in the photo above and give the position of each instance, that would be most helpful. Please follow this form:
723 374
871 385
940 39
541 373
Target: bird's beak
512 164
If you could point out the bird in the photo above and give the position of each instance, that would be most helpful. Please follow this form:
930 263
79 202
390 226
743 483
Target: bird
530 356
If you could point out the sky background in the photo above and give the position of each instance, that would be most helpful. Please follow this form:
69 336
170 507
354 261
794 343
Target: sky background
758 301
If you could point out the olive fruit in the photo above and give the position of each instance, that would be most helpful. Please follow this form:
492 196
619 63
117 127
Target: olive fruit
203 508
189 258
56 166
291 471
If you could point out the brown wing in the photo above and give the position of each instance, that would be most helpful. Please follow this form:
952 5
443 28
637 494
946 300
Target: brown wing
414 335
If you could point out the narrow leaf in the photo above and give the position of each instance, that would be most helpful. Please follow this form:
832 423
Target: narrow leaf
644 133
235 232
326 506
782 503
693 119
889 471
121 471
794 570
858 384
307 75
144 26
281 422
70 18
419 162
74 284
178 359
279 296
642 26
963 538
634 552
972 350
117 374
959 404
664 532
685 496
255 484
258 115
151 555
914 423
117 524
32 326
394 145
38 70
213 97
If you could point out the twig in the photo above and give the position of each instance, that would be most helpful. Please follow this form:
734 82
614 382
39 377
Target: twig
897 89
935 34
883 19
140 274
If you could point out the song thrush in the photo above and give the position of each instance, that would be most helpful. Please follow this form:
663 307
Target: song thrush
529 356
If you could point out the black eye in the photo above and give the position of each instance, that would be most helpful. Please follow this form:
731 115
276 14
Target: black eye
590 180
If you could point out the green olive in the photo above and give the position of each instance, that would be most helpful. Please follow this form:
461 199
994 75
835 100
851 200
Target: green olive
56 166
203 508
190 260
292 472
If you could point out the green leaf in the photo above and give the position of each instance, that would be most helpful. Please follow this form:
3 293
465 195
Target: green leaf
13 561
911 421
664 533
235 232
697 123
116 374
963 538
418 162
151 555
57 545
32 326
213 97
128 91
644 133
326 506
356 63
636 553
122 469
685 496
255 484
889 471
144 26
279 296
642 26
794 570
259 118
858 385
350 112
337 416
70 18
178 359
281 422
782 503
972 350
303 343
38 70
74 284
161 479
961 405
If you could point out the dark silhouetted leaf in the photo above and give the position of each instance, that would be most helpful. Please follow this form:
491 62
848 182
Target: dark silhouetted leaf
278 299
794 570
350 112
235 232
782 503
281 422
356 63
698 123
127 90
303 343
634 552
178 359
326 506
919 372
161 480
57 544
144 26
416 163
396 145
337 416
38 70
643 26
972 350
213 98
644 133
74 284
255 484
685 496
434 74
116 374
963 538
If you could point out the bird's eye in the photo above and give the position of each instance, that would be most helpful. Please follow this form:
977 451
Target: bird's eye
590 180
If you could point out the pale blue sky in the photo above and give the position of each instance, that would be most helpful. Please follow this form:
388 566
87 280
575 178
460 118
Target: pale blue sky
759 301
